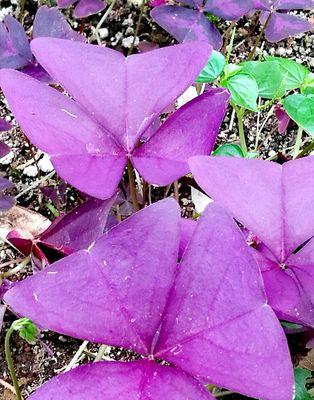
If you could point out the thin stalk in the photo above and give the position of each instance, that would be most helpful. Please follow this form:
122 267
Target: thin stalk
77 355
132 186
137 28
230 45
252 53
298 143
17 269
10 363
226 36
240 114
176 190
259 131
102 20
306 150
22 6
101 352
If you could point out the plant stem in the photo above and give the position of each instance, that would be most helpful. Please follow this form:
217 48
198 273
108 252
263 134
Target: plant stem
22 6
101 352
103 19
306 150
17 269
137 28
240 114
176 190
252 53
132 186
11 363
77 355
230 45
298 143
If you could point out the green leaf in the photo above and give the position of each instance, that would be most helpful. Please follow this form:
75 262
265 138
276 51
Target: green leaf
269 78
295 73
300 376
231 69
229 150
27 330
300 108
308 84
244 90
213 69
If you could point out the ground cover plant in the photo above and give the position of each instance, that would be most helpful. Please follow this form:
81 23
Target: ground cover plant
156 200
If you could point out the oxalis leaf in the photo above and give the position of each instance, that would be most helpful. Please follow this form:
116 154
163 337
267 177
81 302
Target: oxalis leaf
26 329
269 77
300 108
275 203
213 69
294 73
129 291
233 150
229 150
244 90
96 135
308 84
300 376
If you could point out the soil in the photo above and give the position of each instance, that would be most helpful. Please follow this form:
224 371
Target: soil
51 354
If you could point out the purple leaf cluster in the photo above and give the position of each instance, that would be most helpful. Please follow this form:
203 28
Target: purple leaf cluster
116 100
83 8
204 320
15 50
68 233
275 202
281 24
190 23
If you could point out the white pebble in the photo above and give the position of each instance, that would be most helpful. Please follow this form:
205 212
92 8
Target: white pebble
6 160
103 33
187 96
30 171
127 42
45 164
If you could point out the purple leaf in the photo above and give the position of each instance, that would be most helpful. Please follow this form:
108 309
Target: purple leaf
295 5
281 26
283 119
15 51
85 8
4 126
68 233
78 229
275 203
4 149
83 150
49 22
191 130
193 3
36 71
229 9
2 312
134 303
65 3
208 317
95 135
120 381
187 25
